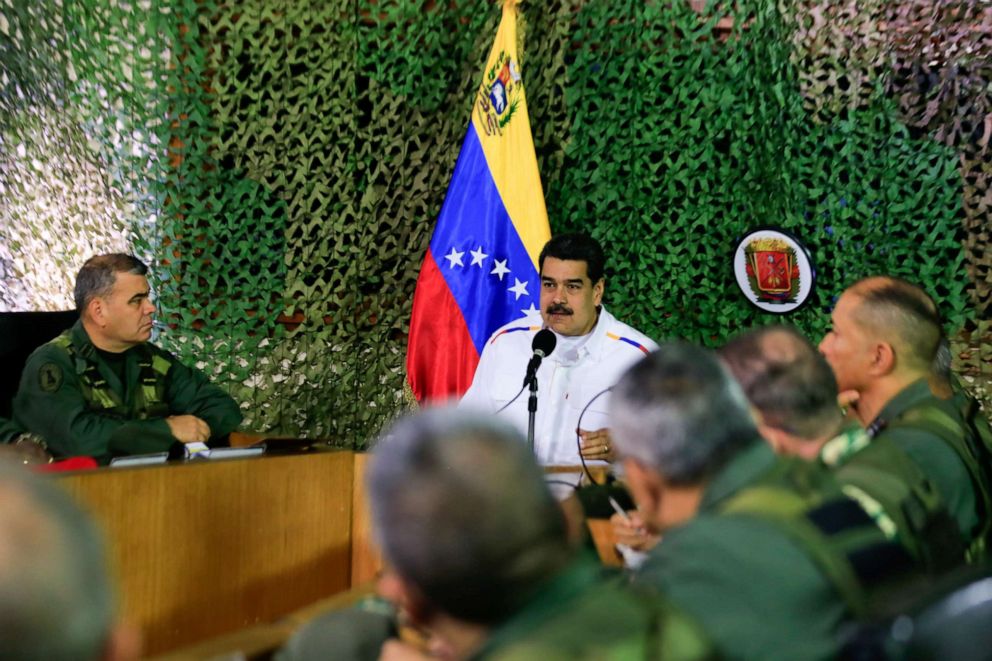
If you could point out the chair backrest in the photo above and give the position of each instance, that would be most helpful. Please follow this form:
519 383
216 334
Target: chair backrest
20 334
957 625
949 619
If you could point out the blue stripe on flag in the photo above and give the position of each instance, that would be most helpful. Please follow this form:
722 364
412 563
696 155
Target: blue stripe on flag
473 216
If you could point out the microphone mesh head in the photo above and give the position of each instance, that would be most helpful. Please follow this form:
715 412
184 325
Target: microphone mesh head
544 342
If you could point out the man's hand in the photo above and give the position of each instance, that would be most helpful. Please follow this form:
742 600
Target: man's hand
597 444
188 428
632 532
27 449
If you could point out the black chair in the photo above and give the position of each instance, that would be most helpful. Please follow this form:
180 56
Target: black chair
951 620
20 334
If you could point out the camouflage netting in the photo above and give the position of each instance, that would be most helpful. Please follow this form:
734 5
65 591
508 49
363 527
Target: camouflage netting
280 164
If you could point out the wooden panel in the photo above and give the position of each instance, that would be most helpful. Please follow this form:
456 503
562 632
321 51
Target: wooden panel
207 548
366 560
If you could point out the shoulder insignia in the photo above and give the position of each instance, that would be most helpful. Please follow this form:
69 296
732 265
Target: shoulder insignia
636 345
50 377
513 330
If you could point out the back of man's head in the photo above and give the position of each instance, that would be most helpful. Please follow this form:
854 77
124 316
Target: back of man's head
902 314
579 247
97 276
786 380
55 597
462 511
679 412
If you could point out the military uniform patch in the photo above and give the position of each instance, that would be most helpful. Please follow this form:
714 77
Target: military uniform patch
50 377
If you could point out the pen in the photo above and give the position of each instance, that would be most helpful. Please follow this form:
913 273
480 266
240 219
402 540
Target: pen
618 509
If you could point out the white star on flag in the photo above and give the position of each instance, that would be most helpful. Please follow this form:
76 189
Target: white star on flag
500 269
454 258
477 257
531 309
519 288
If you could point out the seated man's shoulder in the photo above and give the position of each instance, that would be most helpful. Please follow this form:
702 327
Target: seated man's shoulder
624 338
610 621
518 331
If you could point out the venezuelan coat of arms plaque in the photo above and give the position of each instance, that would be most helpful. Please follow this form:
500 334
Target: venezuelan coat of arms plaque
774 270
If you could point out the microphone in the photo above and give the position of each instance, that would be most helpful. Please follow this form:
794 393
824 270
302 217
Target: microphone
543 344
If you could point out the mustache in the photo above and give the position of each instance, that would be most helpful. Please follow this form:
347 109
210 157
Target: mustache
558 309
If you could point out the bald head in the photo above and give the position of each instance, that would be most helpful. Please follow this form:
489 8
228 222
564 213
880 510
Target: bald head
898 312
786 380
55 600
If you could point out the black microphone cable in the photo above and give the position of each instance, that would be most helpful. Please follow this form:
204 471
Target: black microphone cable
578 439
515 398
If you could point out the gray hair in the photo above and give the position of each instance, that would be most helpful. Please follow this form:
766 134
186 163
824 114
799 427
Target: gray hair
679 412
786 379
99 273
462 511
55 596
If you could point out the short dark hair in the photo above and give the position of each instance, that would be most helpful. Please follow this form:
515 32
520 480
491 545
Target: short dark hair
679 412
462 511
902 313
579 247
786 379
99 273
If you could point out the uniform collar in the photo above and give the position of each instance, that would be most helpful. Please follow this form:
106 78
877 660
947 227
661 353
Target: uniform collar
743 469
595 345
907 398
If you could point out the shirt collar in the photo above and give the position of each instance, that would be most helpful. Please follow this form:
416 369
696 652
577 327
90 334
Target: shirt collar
742 469
907 398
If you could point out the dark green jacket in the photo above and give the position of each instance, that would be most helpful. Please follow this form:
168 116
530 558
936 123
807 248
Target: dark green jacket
898 495
52 403
756 590
581 615
935 457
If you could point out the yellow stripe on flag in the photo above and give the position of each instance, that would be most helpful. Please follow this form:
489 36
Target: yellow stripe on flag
504 132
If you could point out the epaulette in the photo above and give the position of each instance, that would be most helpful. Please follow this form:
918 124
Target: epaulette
629 341
513 330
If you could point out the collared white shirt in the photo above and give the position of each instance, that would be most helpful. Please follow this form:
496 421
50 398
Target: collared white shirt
566 384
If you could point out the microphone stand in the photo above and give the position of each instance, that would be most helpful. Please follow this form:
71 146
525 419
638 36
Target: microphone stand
531 411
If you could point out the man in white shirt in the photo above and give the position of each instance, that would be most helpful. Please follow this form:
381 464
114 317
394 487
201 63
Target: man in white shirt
593 350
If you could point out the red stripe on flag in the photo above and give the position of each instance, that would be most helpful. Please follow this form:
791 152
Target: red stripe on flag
441 357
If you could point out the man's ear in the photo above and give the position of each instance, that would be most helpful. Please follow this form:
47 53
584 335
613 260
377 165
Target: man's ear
95 310
406 597
597 291
883 359
773 436
647 488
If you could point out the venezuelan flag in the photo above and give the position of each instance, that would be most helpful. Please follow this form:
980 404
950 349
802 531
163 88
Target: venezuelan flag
480 270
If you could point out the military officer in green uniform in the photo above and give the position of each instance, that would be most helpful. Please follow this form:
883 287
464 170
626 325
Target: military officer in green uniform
882 347
793 390
479 554
764 551
101 389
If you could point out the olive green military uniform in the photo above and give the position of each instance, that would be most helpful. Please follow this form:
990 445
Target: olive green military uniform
758 590
582 615
945 467
69 396
898 495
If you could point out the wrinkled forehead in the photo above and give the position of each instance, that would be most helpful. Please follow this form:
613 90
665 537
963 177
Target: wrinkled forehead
129 284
